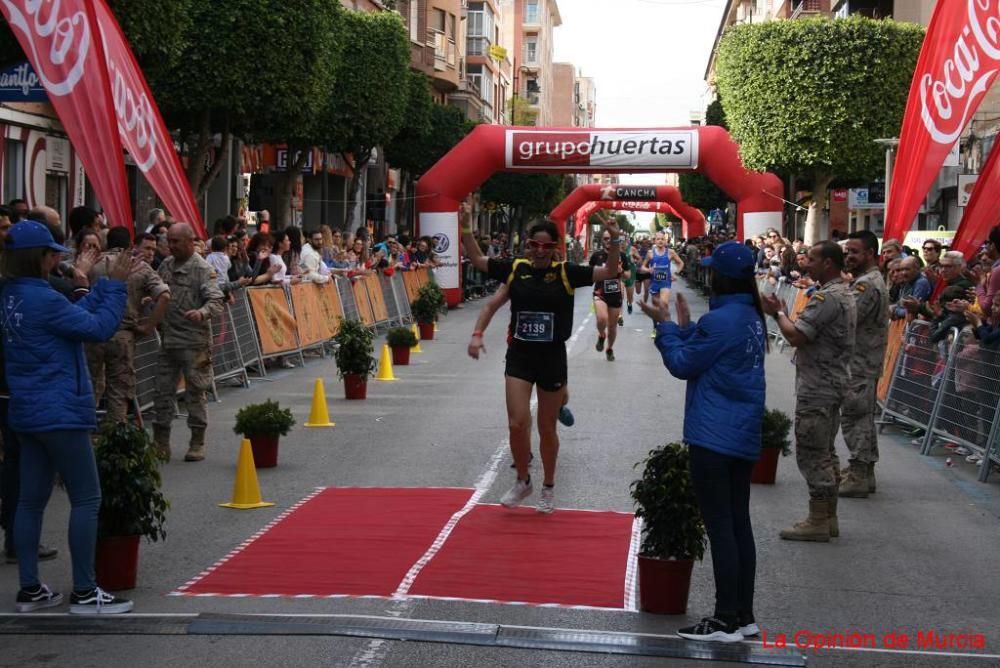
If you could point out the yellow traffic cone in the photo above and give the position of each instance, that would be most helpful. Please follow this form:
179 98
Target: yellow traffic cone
385 366
415 350
246 491
318 416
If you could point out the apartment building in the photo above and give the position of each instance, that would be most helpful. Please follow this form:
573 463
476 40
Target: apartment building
563 95
484 90
435 41
585 102
532 23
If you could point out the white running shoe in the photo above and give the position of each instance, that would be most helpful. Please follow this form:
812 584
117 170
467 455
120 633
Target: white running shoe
521 490
547 500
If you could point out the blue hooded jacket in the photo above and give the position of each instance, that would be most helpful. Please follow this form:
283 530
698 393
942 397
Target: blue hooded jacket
50 387
722 358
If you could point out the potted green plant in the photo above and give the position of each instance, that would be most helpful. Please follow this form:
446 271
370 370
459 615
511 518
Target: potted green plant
400 340
132 505
426 307
773 441
673 534
264 425
355 357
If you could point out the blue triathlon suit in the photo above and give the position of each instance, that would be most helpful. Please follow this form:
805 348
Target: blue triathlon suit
659 265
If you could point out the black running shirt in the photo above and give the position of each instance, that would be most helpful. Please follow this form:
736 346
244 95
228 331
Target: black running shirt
611 285
541 300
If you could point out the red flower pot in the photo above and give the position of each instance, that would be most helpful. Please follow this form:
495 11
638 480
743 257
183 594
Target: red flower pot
355 386
426 330
766 467
401 355
117 562
664 585
265 451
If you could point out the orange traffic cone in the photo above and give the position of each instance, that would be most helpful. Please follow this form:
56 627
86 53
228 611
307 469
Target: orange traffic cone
319 416
415 349
246 490
385 366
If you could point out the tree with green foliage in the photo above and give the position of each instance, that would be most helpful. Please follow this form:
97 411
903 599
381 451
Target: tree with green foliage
524 196
697 189
809 97
521 112
274 93
260 70
368 107
429 131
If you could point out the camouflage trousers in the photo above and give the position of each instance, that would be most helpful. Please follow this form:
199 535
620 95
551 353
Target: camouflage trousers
195 366
112 371
815 429
857 419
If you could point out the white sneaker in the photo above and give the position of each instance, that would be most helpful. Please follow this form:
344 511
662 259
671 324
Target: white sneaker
521 490
547 500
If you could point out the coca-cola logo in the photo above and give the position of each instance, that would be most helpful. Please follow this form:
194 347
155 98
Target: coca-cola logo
136 118
58 44
949 96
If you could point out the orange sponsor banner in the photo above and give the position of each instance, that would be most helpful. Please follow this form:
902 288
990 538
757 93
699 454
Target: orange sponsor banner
801 300
897 332
410 282
275 324
379 309
364 304
307 299
331 309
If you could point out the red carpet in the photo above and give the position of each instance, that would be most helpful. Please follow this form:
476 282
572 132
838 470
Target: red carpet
571 557
349 541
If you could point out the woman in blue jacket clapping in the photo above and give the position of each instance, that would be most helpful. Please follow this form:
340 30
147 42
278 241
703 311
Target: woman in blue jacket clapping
722 359
52 407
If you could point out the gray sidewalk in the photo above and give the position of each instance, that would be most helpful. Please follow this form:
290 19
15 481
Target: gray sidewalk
918 555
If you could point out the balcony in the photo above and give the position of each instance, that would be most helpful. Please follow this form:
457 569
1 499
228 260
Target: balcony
477 46
533 98
444 50
809 8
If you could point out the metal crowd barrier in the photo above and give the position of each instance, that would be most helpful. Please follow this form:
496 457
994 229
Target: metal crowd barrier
236 343
967 403
913 391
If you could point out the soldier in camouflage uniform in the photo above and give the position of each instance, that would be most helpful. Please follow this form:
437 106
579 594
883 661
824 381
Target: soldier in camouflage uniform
186 348
823 336
112 363
857 414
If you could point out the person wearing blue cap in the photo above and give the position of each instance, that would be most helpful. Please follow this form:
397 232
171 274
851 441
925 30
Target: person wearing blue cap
722 359
45 366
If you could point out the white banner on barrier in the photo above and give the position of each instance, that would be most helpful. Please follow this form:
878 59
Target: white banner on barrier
443 229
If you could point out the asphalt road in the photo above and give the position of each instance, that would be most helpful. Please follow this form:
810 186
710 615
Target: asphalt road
919 555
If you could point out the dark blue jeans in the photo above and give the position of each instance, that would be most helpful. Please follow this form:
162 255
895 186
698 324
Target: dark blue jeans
70 454
722 485
10 477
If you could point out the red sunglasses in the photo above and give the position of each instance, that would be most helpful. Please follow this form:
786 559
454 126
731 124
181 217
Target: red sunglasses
544 245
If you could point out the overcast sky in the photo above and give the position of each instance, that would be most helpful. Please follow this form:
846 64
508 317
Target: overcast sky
648 58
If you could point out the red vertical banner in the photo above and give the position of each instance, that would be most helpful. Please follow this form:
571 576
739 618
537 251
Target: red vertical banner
982 213
958 62
143 132
59 41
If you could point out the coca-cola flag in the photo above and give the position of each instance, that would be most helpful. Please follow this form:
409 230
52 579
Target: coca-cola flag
142 130
982 212
958 62
60 43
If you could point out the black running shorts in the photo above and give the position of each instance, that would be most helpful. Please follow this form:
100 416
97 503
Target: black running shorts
612 299
543 364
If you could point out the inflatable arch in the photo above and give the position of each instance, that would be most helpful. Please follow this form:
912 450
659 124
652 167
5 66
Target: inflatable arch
493 148
584 212
693 219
